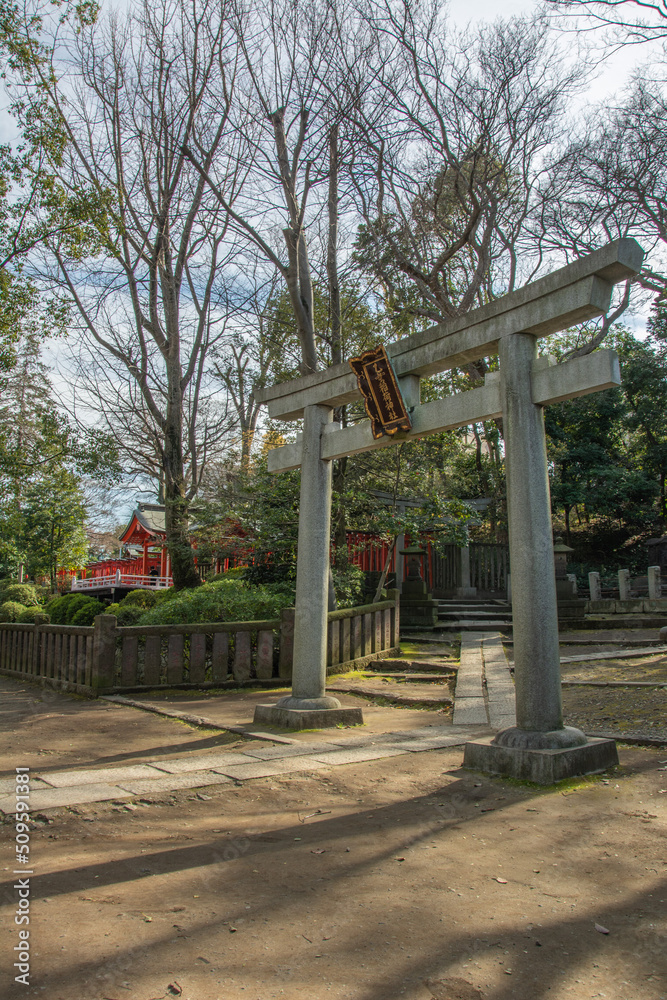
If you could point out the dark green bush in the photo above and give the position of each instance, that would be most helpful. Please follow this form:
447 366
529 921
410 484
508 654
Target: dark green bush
62 610
226 600
140 599
10 611
27 617
125 614
23 593
84 614
77 602
56 609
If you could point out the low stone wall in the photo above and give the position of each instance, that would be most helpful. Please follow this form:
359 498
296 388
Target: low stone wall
106 658
634 606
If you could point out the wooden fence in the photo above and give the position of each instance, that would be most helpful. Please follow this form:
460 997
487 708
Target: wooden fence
105 658
489 566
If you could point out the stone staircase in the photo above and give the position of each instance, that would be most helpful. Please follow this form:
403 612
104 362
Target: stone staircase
474 615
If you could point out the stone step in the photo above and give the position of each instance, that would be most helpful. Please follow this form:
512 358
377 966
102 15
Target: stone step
478 615
472 625
473 606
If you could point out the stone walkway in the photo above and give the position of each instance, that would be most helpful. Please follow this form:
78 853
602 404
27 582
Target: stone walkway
58 789
484 686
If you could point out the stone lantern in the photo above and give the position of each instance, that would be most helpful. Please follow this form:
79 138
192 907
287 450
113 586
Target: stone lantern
566 594
561 553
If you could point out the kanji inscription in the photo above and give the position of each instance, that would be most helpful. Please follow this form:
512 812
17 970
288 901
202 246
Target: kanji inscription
382 396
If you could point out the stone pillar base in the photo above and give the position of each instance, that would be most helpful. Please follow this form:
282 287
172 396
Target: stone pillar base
544 767
466 591
306 718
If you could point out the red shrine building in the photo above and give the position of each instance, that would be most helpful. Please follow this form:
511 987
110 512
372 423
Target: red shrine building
146 566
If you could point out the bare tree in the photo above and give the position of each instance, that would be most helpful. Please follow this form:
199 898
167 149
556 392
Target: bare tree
150 266
289 134
453 159
610 182
626 21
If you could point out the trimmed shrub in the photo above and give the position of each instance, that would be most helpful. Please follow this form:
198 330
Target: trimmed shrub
144 599
75 603
85 614
10 611
125 614
22 593
226 600
27 617
56 609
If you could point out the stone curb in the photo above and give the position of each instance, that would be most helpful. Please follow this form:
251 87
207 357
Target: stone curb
195 720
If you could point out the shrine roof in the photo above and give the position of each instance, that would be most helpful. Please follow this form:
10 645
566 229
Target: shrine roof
146 524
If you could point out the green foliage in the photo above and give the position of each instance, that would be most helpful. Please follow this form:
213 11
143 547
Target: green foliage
349 586
27 617
24 593
11 611
608 455
57 608
227 600
140 599
126 615
85 614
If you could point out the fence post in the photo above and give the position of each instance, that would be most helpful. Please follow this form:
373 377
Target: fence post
104 652
286 643
594 586
624 584
37 642
394 595
654 585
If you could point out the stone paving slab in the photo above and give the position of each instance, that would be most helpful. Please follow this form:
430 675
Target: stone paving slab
470 712
174 782
75 795
281 752
357 755
268 768
209 761
108 775
8 785
619 654
415 746
501 706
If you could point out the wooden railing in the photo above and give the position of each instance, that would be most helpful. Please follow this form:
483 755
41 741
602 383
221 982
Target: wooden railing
61 656
134 580
105 658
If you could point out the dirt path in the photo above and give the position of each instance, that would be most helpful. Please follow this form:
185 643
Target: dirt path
363 881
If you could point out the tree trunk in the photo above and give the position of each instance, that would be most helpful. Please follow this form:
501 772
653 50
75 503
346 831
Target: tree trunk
176 504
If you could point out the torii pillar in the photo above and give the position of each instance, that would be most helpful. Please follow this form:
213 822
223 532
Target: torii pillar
309 706
539 748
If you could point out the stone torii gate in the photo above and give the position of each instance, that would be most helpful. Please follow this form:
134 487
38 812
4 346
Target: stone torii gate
539 747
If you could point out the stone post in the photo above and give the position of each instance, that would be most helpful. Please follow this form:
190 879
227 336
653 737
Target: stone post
624 584
104 652
308 706
572 577
465 589
654 583
594 586
286 643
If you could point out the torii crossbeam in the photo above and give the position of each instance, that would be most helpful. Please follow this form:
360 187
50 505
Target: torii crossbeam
539 747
